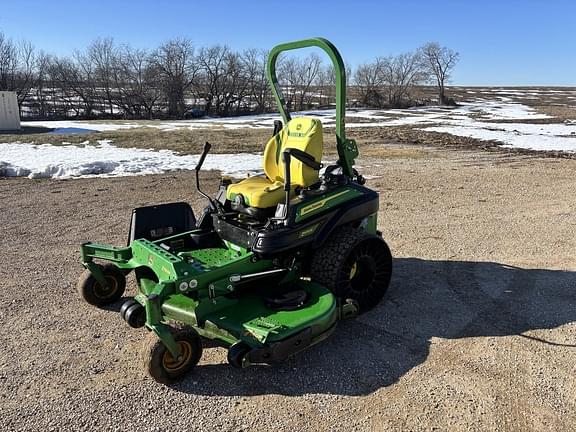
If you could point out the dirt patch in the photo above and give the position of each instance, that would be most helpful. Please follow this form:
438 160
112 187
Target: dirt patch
415 136
181 140
379 151
561 113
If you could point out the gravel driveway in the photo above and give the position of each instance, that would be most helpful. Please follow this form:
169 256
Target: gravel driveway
478 330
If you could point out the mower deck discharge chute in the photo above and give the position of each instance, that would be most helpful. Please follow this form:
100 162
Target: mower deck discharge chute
272 264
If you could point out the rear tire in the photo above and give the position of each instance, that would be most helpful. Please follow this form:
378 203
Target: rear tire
95 294
160 364
354 264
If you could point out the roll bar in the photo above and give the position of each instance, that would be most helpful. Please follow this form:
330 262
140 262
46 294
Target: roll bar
347 149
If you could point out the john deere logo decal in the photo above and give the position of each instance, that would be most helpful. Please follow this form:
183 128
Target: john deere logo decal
307 231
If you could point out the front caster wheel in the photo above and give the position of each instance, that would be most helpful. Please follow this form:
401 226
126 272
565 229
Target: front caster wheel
97 295
162 366
237 353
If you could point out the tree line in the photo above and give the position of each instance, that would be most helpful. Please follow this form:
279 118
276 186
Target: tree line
179 80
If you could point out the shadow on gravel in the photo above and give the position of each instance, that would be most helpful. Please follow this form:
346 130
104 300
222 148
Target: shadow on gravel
427 299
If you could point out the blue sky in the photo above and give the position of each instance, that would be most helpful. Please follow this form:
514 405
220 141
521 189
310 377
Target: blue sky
506 42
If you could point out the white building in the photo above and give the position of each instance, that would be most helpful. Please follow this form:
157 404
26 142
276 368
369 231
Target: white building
9 112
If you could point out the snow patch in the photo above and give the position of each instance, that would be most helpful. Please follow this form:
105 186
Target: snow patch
513 138
78 124
69 161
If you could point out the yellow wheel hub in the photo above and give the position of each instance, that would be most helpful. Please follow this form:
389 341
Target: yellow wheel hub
107 291
174 365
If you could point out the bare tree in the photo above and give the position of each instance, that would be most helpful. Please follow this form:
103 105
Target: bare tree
400 74
212 62
25 73
297 77
17 67
83 82
439 62
308 70
8 62
42 100
137 83
76 81
53 97
369 81
178 69
287 71
258 90
235 85
102 54
324 85
224 78
390 81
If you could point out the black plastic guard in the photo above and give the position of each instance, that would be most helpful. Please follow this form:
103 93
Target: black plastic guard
277 352
157 221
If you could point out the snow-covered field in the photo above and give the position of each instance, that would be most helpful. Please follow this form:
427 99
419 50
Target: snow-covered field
499 118
477 119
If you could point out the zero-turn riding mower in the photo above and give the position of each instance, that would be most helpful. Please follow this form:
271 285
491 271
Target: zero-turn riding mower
272 264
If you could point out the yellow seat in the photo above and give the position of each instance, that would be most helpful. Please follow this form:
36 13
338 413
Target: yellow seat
303 133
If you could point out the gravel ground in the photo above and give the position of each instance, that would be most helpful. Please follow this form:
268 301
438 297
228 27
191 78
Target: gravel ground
478 330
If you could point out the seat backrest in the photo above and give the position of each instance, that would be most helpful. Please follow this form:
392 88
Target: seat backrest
302 133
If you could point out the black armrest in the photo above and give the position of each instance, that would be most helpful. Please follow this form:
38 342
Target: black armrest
286 159
304 157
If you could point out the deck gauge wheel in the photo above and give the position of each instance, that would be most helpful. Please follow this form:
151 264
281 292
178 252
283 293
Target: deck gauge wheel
97 295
